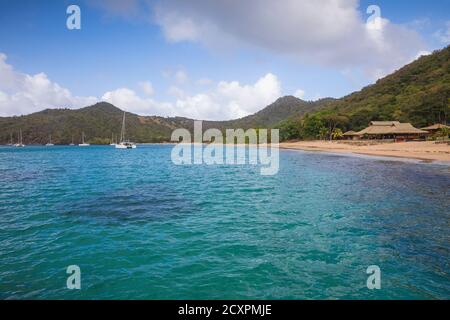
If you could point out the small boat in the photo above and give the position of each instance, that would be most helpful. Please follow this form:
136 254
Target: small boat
83 144
20 144
50 144
72 144
124 144
10 140
112 140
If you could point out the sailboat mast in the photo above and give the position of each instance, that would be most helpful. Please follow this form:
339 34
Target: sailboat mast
122 133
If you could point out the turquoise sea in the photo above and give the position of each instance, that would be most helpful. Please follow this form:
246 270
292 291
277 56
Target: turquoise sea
140 227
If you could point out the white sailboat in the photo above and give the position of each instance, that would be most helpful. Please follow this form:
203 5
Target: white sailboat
19 143
83 144
72 144
124 144
10 140
112 140
50 144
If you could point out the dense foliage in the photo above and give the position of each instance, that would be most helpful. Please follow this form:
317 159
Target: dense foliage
284 108
103 120
418 93
99 123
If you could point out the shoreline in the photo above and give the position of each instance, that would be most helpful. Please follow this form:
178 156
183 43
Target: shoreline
425 151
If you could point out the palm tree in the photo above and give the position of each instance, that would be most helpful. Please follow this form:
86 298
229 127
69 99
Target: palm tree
337 134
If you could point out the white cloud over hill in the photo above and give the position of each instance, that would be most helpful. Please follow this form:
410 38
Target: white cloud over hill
21 93
226 100
333 33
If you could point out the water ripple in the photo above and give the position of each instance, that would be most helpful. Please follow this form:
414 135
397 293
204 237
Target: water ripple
140 227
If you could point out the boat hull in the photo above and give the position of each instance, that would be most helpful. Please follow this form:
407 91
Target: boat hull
125 146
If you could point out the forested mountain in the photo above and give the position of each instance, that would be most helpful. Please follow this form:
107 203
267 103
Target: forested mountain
418 93
98 122
282 109
102 120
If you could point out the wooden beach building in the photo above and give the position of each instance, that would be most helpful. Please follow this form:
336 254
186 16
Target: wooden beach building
393 130
351 135
435 128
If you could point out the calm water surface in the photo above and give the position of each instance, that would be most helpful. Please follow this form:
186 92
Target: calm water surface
140 227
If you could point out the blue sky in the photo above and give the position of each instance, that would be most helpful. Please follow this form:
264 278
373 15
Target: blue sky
203 60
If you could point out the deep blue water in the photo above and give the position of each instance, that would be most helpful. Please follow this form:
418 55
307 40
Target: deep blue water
140 227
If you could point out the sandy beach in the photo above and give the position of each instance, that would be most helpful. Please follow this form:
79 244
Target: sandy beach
423 150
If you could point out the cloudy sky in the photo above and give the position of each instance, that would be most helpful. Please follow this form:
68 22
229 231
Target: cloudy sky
206 59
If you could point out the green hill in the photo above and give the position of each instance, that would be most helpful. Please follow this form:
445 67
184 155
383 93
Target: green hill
101 120
283 108
418 93
98 122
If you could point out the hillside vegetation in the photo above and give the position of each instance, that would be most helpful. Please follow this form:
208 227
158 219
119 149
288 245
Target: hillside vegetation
418 93
98 122
102 120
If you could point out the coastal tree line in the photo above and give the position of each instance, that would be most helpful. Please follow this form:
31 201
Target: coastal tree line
419 93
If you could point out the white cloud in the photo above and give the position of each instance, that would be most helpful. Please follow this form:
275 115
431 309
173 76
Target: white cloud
178 28
127 99
22 93
299 94
147 87
422 53
227 100
233 100
330 32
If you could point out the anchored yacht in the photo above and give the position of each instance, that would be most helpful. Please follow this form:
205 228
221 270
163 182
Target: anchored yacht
83 144
20 144
124 144
50 144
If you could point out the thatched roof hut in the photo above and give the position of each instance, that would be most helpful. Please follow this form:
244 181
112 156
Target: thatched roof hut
392 130
351 135
436 127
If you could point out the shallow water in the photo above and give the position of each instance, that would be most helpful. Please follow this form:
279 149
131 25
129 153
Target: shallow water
140 227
